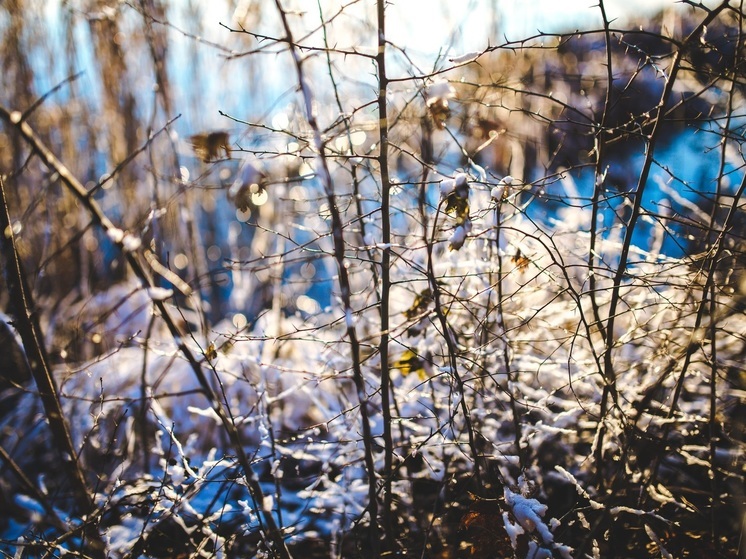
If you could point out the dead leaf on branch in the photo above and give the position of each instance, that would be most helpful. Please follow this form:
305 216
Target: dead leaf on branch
410 362
421 303
521 261
207 145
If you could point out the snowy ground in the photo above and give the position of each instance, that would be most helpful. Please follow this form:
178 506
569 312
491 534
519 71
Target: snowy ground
161 462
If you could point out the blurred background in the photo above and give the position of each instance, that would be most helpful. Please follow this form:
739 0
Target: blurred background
101 80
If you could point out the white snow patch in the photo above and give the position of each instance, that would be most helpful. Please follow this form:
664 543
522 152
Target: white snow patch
115 234
159 293
513 530
446 187
441 89
457 238
464 58
528 513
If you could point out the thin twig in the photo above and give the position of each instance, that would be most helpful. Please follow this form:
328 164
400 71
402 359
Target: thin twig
344 284
383 346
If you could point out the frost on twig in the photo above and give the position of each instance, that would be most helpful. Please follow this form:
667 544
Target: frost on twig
465 58
526 516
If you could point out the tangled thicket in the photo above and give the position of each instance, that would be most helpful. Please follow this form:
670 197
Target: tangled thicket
471 311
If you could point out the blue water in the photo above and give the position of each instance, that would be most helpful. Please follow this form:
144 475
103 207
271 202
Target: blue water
686 164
